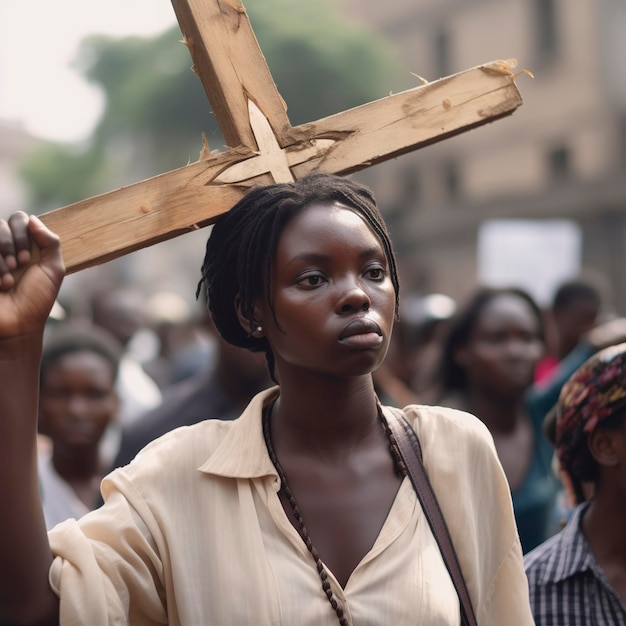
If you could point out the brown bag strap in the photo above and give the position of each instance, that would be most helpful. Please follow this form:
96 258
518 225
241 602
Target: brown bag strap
411 451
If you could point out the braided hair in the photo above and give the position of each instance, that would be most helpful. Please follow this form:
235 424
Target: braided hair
243 243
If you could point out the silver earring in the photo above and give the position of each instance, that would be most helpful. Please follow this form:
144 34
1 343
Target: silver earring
259 329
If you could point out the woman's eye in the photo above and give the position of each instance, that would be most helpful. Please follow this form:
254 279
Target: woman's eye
376 273
313 280
496 338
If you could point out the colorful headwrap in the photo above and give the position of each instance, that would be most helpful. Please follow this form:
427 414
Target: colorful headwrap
595 391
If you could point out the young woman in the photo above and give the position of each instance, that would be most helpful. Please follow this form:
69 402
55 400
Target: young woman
488 364
77 401
297 512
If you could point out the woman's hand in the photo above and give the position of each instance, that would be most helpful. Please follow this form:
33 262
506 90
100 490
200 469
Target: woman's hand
30 276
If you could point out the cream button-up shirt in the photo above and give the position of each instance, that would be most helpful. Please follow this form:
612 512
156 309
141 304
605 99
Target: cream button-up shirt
193 533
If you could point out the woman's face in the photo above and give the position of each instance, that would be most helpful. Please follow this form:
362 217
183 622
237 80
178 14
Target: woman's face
504 346
332 294
77 399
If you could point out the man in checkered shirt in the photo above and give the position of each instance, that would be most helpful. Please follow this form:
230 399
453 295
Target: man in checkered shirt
578 577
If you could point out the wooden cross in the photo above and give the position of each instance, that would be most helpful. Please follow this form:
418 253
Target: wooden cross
264 147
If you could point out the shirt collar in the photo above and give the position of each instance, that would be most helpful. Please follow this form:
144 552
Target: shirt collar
242 453
573 555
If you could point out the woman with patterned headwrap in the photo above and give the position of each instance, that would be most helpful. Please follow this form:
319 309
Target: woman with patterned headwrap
578 577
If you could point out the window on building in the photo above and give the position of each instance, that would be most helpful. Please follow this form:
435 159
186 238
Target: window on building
559 163
622 139
406 191
442 53
546 29
452 179
411 186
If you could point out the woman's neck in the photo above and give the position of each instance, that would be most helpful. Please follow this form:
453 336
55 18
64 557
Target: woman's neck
500 413
73 466
325 414
603 526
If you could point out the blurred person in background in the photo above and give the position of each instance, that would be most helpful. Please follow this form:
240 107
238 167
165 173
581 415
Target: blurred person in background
221 389
121 312
578 577
77 402
429 316
409 372
392 380
184 344
488 363
58 315
575 309
542 401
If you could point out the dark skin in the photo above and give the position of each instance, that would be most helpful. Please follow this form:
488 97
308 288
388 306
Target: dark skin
26 298
77 402
605 519
500 359
325 423
331 270
241 373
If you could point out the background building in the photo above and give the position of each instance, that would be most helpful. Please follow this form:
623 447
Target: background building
559 161
562 155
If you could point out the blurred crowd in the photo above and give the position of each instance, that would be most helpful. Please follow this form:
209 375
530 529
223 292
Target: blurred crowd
127 366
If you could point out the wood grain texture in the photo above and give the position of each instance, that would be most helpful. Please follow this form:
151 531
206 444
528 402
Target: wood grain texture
264 147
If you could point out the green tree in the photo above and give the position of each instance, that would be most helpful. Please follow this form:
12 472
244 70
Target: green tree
156 108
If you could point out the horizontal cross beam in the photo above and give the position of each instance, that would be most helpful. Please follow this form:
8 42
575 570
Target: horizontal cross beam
265 148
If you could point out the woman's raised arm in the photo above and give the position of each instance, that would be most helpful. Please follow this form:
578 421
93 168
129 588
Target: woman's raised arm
29 284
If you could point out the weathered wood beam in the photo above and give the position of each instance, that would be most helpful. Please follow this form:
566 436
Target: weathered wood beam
264 147
131 218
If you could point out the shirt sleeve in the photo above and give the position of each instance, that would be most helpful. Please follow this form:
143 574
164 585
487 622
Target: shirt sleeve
103 561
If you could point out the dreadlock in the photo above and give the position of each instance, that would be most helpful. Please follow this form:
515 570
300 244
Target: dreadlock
243 244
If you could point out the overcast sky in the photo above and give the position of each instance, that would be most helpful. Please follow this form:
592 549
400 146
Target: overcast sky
38 39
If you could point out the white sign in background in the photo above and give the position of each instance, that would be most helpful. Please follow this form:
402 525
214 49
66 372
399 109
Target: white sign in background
536 255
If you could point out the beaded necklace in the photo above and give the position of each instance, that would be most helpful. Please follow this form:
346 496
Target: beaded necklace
400 469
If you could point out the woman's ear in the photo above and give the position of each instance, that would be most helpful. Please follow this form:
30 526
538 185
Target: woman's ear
253 326
607 446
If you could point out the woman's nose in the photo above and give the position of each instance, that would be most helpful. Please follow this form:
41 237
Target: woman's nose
354 298
520 349
78 407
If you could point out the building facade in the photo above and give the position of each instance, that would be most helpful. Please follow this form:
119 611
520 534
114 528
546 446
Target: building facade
561 156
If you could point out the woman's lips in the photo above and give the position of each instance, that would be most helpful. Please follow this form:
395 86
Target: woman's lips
362 333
